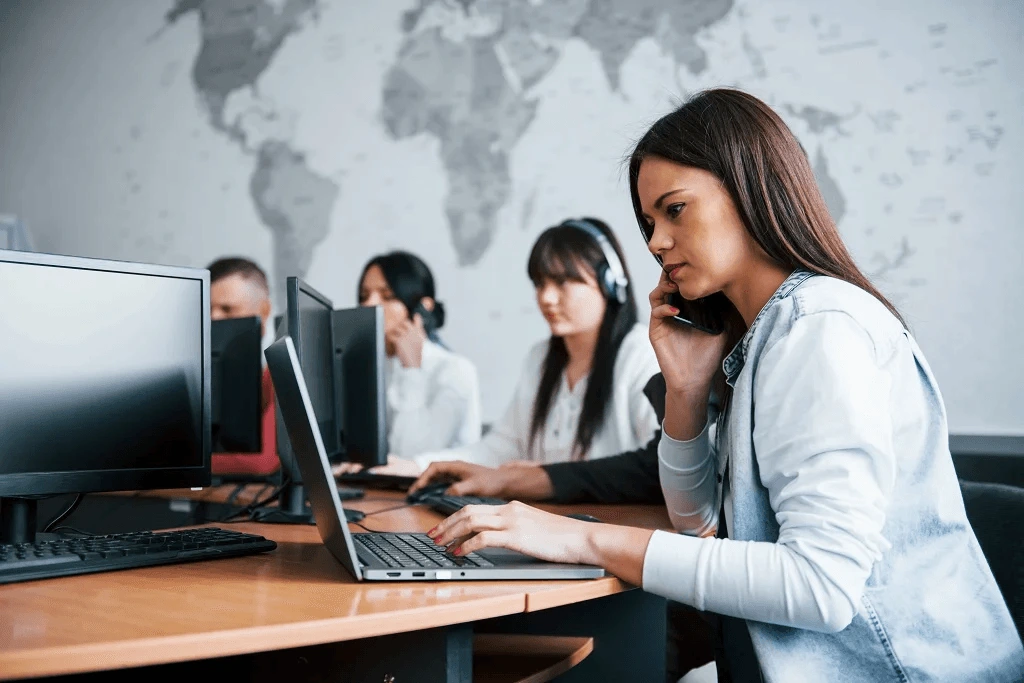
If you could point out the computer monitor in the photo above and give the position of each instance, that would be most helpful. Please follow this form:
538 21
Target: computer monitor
104 380
311 329
236 357
359 376
309 323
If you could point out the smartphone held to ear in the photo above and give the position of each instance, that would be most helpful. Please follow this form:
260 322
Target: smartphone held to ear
706 314
429 324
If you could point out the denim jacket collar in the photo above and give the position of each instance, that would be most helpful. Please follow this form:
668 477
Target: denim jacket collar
733 363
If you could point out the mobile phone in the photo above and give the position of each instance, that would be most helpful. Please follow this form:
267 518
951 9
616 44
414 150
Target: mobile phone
706 314
429 323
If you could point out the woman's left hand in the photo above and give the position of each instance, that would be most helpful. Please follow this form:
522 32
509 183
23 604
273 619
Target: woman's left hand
519 527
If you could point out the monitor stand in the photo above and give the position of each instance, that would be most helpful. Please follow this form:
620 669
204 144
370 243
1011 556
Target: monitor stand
293 508
18 520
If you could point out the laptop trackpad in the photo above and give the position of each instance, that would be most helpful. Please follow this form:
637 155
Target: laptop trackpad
508 558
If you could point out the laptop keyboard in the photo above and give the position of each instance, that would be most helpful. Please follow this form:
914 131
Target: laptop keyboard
413 551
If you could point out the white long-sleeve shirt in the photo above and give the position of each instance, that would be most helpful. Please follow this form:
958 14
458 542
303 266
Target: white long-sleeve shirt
629 421
436 405
823 436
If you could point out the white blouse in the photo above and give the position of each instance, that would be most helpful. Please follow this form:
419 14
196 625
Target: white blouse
629 423
436 405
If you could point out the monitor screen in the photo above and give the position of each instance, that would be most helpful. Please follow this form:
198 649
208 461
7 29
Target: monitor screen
310 326
104 375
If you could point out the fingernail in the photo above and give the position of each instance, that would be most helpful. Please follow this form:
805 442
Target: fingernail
675 310
457 551
432 532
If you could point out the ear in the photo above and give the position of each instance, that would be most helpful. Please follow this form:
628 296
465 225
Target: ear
264 310
427 303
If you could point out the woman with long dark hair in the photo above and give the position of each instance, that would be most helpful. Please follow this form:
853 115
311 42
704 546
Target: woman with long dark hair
433 397
806 466
580 393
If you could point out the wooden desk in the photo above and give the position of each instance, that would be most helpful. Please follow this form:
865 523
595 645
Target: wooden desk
299 597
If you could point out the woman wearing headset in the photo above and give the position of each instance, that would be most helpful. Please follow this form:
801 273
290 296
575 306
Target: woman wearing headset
580 393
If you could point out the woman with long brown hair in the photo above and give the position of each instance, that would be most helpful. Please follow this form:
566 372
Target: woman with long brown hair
806 466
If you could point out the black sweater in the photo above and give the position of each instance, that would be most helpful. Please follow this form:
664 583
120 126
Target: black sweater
630 477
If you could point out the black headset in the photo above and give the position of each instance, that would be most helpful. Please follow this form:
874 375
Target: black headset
611 276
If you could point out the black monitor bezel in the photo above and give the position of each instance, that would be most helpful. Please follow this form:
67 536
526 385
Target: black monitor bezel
53 483
293 286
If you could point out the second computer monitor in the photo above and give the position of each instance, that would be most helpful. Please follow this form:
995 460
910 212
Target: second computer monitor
309 319
237 383
359 373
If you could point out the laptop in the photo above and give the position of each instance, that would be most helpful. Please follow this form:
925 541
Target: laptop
380 556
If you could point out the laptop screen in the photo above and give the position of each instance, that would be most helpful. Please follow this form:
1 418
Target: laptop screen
300 420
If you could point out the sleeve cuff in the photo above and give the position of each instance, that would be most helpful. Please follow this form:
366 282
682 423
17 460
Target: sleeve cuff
685 455
564 481
670 566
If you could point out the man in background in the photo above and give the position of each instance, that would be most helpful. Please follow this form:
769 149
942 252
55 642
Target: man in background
239 289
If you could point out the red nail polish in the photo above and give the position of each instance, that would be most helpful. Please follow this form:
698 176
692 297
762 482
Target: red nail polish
432 532
457 551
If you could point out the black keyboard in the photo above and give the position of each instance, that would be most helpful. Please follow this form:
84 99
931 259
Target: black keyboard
389 482
447 505
88 554
412 551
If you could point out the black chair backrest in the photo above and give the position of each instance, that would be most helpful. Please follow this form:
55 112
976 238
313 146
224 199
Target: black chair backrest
996 512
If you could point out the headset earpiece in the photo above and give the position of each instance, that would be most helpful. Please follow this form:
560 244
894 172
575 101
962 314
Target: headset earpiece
611 275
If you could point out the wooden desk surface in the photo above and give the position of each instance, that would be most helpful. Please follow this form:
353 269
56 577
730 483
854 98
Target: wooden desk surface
296 595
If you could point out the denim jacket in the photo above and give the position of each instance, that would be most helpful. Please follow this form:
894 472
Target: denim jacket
835 448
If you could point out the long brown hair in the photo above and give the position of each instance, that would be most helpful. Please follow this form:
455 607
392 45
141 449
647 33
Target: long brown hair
739 139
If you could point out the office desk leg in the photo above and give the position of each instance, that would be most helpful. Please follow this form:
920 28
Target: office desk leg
628 630
440 655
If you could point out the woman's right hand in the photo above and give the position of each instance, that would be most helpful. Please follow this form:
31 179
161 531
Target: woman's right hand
509 483
689 359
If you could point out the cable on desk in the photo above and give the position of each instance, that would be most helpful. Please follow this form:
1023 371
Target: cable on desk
380 512
256 505
64 515
234 494
390 509
64 528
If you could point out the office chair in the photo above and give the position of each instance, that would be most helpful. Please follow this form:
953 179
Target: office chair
996 512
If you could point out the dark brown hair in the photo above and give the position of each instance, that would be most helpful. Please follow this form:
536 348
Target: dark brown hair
563 253
411 281
745 144
236 265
